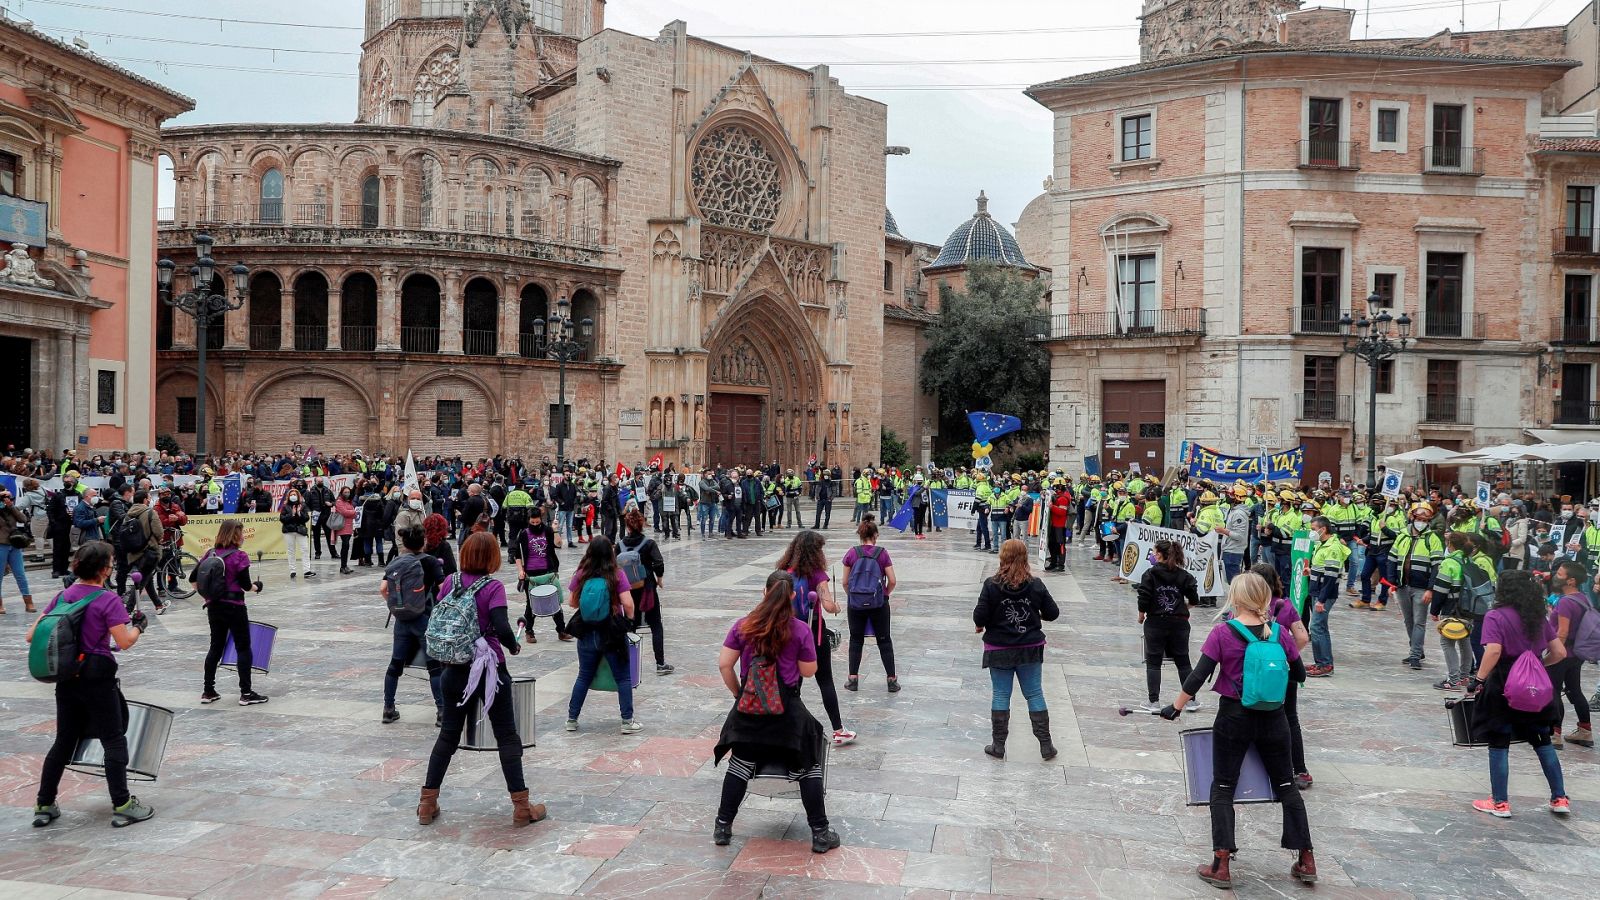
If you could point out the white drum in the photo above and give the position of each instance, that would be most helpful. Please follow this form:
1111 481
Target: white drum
479 733
545 599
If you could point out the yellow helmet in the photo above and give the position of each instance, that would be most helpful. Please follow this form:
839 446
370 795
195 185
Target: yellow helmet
1454 629
1287 496
1094 479
1242 489
1118 486
1208 497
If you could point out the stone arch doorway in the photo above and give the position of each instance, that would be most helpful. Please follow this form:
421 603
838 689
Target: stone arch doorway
764 388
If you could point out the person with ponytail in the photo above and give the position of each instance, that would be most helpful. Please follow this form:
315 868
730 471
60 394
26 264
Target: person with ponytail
1238 728
771 641
1283 612
813 596
1166 592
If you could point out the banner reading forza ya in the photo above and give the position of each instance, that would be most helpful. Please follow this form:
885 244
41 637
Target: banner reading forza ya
1201 555
1203 462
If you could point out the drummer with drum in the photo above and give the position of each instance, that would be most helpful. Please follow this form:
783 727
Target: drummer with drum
90 704
538 579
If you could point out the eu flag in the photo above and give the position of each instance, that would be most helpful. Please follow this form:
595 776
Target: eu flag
902 518
230 494
986 426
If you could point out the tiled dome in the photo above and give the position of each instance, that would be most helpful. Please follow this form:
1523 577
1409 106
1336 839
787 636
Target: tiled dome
981 239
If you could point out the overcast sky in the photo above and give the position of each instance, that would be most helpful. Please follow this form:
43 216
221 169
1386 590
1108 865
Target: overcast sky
954 99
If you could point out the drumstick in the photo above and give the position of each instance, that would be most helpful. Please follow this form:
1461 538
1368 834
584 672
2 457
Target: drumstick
1128 711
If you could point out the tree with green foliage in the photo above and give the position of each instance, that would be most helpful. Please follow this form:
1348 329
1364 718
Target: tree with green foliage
979 357
892 451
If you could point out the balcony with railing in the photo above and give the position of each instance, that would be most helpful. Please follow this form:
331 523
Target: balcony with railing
1574 330
479 343
1310 319
531 346
1132 324
311 337
358 338
1444 159
1453 323
1574 240
1577 412
417 339
266 337
1322 154
359 215
1446 409
1319 406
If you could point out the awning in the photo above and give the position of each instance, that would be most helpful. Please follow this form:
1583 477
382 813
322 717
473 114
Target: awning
1426 455
1563 435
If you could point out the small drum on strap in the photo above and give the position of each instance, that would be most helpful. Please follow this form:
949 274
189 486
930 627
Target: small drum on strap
1254 784
605 679
262 637
545 599
148 728
479 732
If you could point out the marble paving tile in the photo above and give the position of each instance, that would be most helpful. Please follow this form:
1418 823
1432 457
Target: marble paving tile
951 873
882 834
625 879
844 864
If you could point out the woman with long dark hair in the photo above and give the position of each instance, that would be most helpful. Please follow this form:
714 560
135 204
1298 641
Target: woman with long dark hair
771 644
803 560
599 639
653 568
226 613
868 605
1011 610
1165 592
1518 623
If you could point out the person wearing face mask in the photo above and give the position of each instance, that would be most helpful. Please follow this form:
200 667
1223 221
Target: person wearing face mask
1414 560
294 516
1381 529
1570 607
1326 568
410 512
341 523
1586 530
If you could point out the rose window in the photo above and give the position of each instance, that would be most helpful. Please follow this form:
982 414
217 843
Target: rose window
736 180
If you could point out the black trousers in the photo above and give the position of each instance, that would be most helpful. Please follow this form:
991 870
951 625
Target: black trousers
452 684
344 550
1297 742
919 517
1165 636
608 525
89 706
1235 730
1058 546
824 514
60 553
658 635
226 619
1567 676
858 635
830 693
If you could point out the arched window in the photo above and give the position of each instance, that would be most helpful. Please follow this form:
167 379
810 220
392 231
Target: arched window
535 202
480 196
479 318
531 324
585 212
584 306
369 202
419 315
438 74
271 211
266 312
358 313
380 90
311 312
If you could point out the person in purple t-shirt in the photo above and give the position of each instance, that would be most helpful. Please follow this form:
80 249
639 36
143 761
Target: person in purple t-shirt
1567 581
1516 625
90 704
1238 728
227 614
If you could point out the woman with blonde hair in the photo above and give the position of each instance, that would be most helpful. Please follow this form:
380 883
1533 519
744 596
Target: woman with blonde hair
1011 608
1238 728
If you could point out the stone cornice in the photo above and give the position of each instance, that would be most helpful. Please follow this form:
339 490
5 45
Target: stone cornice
437 138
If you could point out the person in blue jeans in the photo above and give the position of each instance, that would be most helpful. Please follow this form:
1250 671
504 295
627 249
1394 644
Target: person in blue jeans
13 522
598 641
1012 605
411 636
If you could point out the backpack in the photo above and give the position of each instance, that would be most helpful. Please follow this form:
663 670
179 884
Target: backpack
408 592
631 562
517 516
211 577
1585 635
804 598
53 654
866 579
760 694
594 601
453 630
1477 591
1265 676
1528 688
128 535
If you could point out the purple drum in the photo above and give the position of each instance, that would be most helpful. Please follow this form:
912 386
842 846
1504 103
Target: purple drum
605 680
261 637
1254 785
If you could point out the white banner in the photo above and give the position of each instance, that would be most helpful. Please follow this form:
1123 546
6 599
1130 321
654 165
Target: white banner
958 507
1201 555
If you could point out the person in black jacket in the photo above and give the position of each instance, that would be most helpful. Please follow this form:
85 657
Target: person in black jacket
1165 594
319 502
610 507
475 507
58 527
372 524
750 504
647 608
822 491
1011 607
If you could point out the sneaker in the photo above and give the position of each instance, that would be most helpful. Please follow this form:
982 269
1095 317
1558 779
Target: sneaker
1582 735
1319 671
1153 707
210 697
311 574
823 840
161 608
44 814
251 699
843 736
1498 810
291 576
721 833
130 812
894 685
853 683
1194 704
631 726
390 715
1447 684
1560 806
1303 781
1415 664
665 669
1353 592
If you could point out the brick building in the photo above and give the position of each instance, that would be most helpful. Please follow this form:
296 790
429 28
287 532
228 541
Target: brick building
77 210
720 217
1216 209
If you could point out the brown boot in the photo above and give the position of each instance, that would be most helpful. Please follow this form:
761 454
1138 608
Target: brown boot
1305 869
27 604
522 813
1215 873
428 806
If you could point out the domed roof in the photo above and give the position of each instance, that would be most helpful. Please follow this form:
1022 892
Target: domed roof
981 239
890 226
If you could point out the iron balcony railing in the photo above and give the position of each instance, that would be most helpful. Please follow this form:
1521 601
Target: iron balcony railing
1311 319
1577 412
417 339
1574 330
1444 159
1130 324
1452 323
1446 409
266 337
1317 153
1318 406
358 338
1574 240
479 343
311 337
531 346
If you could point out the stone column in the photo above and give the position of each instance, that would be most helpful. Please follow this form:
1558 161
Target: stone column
388 309
450 313
335 315
66 369
286 320
510 316
182 328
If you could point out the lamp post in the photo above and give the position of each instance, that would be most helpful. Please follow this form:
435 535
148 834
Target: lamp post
568 340
1374 338
204 306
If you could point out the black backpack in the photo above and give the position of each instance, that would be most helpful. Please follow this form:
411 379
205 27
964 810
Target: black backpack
211 577
128 535
408 594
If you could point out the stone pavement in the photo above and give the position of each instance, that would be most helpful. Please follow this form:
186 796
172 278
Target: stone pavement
310 796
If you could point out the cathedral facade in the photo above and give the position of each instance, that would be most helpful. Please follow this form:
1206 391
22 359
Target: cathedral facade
717 218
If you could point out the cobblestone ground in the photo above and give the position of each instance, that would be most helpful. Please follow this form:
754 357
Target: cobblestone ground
311 796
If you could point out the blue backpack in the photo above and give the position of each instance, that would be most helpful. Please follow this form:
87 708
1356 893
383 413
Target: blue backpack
594 601
867 582
802 597
1265 676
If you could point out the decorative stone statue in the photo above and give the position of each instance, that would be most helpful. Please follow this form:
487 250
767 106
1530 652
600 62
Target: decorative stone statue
699 421
21 269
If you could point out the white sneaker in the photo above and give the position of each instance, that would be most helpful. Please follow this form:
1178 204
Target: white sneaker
1150 707
1195 704
572 724
631 726
843 736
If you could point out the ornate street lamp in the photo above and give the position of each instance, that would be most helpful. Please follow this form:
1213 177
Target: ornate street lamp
1374 338
568 341
204 306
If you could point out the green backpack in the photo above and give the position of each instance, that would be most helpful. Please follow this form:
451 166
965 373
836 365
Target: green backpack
53 654
1265 675
594 602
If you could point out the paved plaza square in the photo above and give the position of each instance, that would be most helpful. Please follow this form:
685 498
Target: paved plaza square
311 796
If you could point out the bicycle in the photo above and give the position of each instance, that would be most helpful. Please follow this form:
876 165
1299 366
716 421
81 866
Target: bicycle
172 571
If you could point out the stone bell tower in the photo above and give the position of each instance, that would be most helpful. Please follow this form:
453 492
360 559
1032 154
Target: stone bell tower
1181 27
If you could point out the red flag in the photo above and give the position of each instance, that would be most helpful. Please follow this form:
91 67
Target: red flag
622 471
656 461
